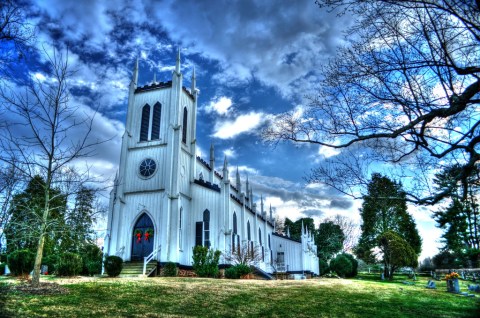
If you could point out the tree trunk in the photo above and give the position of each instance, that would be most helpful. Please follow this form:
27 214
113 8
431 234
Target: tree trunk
38 260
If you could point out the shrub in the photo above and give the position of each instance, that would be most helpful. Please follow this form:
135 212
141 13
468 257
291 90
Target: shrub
92 259
2 268
354 262
3 258
69 264
113 265
341 265
237 271
170 270
20 262
205 261
324 268
52 262
231 273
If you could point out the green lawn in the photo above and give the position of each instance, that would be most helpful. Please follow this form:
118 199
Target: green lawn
195 297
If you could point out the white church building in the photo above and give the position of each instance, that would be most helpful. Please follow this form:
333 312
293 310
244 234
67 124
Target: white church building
166 200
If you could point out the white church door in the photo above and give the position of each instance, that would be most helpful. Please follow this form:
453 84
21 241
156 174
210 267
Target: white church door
142 241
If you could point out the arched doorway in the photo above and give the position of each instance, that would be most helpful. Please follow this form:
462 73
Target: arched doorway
142 240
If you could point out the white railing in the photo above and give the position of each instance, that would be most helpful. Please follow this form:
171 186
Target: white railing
148 258
120 251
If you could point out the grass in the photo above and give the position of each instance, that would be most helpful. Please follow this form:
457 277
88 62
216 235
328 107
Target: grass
195 297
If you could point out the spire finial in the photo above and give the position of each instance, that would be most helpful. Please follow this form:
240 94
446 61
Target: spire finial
238 183
194 82
177 66
212 154
135 74
155 78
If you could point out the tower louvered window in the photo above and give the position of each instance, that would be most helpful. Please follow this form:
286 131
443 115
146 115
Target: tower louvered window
157 111
184 128
145 123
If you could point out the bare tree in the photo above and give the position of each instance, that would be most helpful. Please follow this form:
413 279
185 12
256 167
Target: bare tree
47 138
9 182
350 229
404 93
244 254
16 34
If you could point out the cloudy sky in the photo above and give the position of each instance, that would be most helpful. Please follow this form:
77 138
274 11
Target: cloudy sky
253 59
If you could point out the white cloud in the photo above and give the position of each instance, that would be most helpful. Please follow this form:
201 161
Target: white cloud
230 152
328 152
219 105
242 124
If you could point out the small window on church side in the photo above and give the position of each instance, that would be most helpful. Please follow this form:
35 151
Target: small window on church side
184 128
180 237
206 228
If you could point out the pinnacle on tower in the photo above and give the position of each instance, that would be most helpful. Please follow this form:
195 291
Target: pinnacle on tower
194 82
135 75
225 170
177 65
154 78
238 183
212 156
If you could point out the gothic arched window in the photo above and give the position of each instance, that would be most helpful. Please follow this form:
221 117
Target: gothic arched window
157 111
234 235
184 128
206 228
260 236
145 123
180 234
248 231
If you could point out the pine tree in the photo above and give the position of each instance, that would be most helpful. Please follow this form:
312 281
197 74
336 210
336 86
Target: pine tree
80 221
25 213
384 209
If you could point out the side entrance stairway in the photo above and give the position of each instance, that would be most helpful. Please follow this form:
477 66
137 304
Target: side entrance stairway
135 269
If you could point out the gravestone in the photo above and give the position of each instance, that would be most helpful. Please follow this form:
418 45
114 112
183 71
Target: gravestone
475 288
431 285
453 286
44 270
382 276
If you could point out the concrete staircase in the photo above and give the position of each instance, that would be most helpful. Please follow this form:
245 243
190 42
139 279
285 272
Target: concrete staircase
262 274
135 269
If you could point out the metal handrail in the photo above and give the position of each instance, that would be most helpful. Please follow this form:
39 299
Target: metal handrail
120 251
148 258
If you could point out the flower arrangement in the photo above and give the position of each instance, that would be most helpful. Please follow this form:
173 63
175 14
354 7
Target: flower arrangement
148 234
452 275
138 234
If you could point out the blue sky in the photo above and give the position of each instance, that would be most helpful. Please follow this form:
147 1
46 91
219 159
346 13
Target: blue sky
253 59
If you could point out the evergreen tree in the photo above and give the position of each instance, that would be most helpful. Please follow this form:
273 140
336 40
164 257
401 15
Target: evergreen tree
295 228
80 221
384 209
461 218
329 240
23 227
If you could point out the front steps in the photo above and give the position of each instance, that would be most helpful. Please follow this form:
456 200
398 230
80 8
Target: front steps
135 269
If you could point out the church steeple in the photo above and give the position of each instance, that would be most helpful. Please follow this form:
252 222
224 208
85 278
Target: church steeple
212 163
